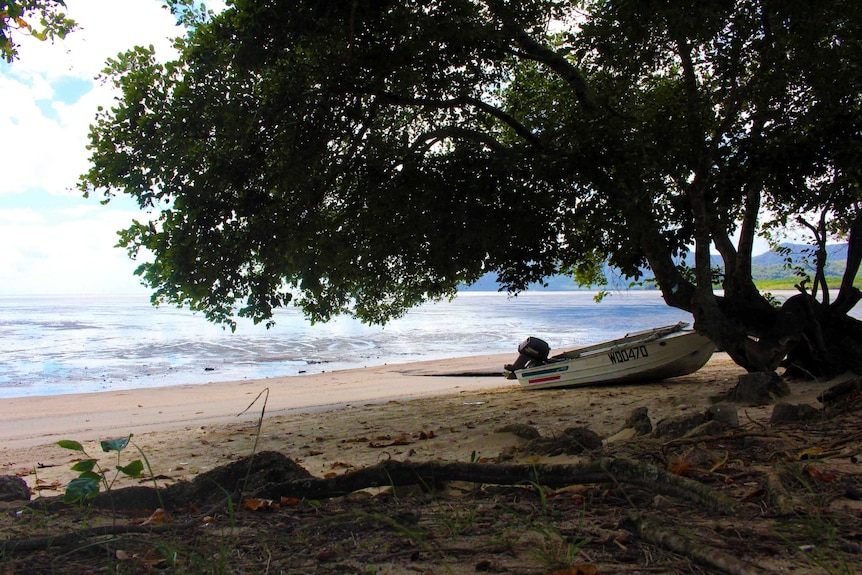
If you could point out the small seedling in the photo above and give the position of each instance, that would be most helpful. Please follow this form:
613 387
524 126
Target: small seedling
92 477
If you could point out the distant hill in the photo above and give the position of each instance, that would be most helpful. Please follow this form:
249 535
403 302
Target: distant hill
766 266
770 265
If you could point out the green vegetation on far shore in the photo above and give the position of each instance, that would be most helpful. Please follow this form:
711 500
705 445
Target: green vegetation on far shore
790 283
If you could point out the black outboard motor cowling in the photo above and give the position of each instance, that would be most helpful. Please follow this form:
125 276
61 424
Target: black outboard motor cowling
534 348
532 351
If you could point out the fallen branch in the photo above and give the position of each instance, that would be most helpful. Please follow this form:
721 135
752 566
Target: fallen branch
778 497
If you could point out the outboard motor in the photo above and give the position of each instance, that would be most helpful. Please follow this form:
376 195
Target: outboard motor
532 351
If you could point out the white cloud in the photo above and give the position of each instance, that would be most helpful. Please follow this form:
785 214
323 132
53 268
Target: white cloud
41 153
44 138
20 216
53 240
106 27
70 254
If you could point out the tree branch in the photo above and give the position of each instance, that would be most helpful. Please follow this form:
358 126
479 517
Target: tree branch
819 232
427 139
738 281
747 231
459 102
676 290
556 62
728 254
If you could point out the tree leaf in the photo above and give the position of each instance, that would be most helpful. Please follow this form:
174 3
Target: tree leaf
80 489
258 504
70 444
133 469
159 517
116 444
85 465
91 475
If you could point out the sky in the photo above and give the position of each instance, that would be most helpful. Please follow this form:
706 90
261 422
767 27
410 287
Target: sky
52 239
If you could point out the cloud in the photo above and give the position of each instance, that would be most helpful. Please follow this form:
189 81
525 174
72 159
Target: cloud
50 94
55 241
65 251
106 28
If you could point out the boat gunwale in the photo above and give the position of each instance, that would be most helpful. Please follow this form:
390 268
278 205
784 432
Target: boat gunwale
640 336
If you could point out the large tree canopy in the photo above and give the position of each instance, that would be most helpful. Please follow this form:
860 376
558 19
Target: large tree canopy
362 157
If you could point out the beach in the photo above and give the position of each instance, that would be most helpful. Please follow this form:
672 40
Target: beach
448 410
444 413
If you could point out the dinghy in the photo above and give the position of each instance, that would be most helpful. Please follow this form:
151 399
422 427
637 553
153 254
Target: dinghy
649 355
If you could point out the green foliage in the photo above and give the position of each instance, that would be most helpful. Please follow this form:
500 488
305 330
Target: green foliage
363 158
91 477
41 19
81 488
790 283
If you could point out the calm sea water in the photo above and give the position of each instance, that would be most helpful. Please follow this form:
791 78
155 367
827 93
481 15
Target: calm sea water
56 345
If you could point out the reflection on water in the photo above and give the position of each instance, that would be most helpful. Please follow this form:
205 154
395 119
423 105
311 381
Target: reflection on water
51 345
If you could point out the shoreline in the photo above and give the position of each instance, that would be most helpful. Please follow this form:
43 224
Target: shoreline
38 420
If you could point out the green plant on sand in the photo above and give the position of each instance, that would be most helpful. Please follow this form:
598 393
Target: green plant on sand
93 477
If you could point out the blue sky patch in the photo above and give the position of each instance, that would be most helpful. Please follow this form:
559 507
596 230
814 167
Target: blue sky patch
69 89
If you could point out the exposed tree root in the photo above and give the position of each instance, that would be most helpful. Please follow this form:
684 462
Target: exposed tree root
731 436
13 546
394 473
430 474
654 533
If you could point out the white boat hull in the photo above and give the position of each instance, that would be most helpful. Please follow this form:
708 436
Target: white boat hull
646 356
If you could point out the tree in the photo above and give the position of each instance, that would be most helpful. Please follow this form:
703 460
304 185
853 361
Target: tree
363 157
20 17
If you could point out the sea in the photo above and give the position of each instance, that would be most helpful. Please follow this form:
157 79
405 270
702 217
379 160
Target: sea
53 345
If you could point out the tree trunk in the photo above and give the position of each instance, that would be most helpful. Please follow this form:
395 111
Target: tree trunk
849 296
810 338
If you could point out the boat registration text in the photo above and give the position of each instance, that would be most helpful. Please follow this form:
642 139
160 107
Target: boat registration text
623 355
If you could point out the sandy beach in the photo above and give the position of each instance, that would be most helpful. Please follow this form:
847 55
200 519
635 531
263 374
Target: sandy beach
456 411
440 410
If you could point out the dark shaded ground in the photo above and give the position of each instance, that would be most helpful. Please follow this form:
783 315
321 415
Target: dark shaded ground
757 498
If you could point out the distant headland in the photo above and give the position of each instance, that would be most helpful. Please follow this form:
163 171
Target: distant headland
769 270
